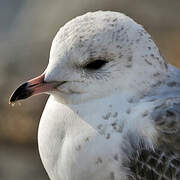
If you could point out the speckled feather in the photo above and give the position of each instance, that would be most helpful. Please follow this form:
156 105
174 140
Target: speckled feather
154 164
162 161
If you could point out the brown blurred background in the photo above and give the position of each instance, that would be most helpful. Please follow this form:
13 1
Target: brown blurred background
26 31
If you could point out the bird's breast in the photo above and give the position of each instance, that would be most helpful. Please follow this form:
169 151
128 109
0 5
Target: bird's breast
83 141
79 141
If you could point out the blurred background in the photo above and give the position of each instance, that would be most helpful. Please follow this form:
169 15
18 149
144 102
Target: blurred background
26 31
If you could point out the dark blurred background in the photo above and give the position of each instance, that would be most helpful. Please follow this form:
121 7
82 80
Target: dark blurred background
26 31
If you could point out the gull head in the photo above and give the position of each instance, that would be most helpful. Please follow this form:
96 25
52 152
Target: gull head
96 55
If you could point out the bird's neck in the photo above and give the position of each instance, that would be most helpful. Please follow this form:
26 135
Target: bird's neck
103 110
167 88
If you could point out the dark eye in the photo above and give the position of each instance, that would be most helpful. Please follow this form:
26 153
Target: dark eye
97 64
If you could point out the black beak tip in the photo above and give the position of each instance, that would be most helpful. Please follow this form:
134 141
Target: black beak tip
21 92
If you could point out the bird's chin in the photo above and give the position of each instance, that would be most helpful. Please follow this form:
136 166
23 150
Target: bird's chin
67 97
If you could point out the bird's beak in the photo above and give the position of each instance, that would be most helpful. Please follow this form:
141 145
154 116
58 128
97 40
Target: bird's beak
32 87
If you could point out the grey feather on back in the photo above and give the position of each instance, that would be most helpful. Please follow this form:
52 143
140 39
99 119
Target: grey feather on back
146 163
166 118
166 113
162 161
